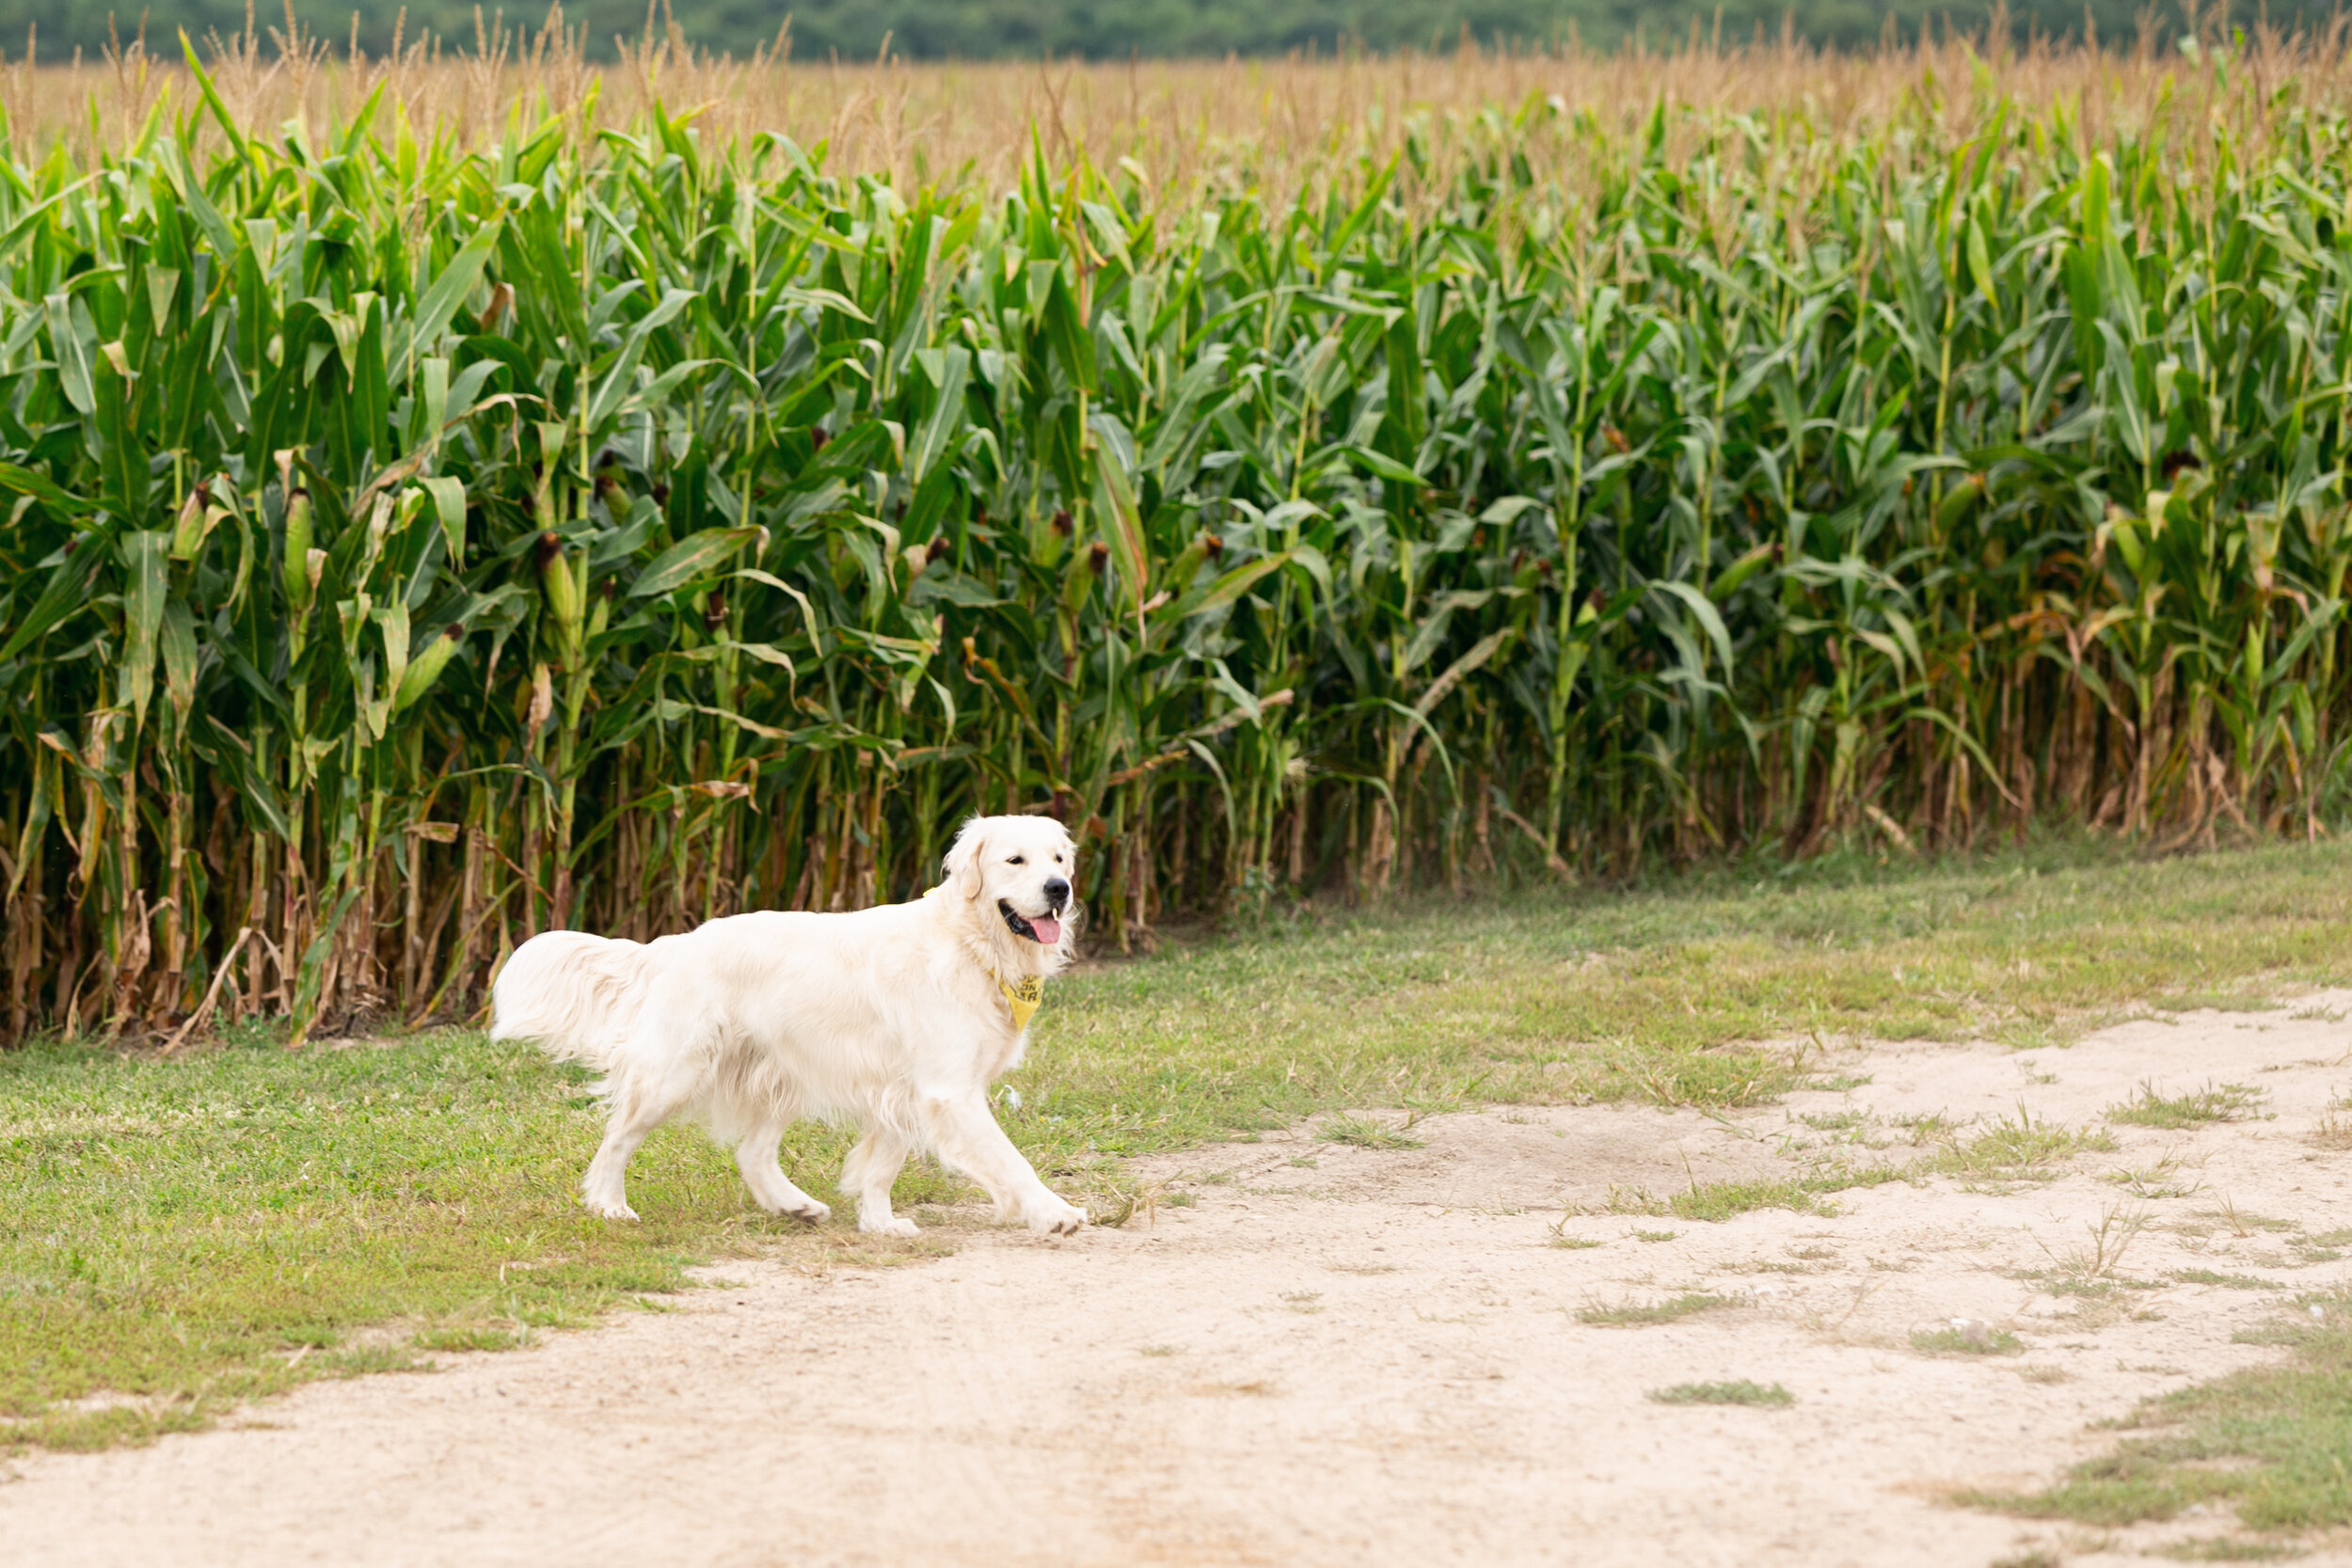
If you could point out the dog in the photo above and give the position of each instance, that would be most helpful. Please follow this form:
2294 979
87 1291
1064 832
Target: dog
897 1018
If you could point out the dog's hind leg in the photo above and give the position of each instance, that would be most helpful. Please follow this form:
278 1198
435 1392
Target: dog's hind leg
640 1102
868 1173
773 1190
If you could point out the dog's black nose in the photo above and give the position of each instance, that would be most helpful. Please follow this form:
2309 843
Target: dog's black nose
1056 891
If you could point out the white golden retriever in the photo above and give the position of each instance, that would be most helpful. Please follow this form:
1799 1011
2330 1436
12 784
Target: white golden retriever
897 1018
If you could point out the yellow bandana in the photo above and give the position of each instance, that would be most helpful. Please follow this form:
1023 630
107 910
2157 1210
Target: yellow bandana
1024 998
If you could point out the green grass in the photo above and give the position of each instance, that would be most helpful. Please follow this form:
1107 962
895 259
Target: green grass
2324 1247
2223 1548
1721 1200
189 1232
1657 993
1366 1133
1740 1391
2014 1152
1642 1314
1961 1342
2234 1281
1717 1202
2160 1181
2292 1422
2010 1152
2213 1102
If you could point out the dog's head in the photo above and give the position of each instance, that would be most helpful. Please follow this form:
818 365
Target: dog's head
1021 871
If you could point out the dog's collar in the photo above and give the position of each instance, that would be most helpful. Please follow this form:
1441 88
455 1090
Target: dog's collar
1022 1000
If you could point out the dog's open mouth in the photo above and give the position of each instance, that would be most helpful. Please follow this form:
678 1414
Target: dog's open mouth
1044 929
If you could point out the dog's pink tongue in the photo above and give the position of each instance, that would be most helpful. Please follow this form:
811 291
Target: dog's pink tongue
1048 930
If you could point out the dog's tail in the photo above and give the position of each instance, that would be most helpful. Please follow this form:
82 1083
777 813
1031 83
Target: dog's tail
576 994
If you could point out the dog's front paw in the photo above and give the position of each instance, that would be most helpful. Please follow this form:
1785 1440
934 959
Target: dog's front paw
610 1209
791 1203
893 1227
1057 1218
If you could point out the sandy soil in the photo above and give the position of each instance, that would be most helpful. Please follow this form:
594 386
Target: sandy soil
1343 1355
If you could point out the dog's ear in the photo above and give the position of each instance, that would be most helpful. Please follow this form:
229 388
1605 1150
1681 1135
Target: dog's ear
963 861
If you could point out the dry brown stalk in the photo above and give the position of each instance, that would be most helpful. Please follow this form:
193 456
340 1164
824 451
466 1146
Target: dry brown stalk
1280 125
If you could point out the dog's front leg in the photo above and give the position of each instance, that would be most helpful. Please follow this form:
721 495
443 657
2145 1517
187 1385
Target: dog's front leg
869 1173
968 1138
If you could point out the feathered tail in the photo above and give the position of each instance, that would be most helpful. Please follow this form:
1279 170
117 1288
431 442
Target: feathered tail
576 994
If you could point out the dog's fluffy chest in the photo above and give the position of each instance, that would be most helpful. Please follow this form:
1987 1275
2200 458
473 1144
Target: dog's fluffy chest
1001 1039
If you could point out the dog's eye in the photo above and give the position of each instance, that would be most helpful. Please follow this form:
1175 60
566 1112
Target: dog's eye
1018 860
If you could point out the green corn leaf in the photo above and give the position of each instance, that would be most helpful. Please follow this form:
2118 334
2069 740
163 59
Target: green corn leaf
440 303
179 658
449 505
25 482
1232 585
73 341
1123 525
1709 619
690 560
146 559
1981 261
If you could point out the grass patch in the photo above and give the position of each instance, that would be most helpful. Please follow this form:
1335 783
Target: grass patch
1717 1202
1640 1315
2161 1179
456 1339
2244 1225
2332 1132
173 1233
2090 1269
2014 1152
1720 1200
2231 1281
187 1234
1971 1339
2325 1247
2269 1443
1770 1395
2180 1112
1365 1133
1431 1004
2224 1548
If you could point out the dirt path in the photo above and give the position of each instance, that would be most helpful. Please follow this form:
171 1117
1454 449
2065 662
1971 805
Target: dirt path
1341 1356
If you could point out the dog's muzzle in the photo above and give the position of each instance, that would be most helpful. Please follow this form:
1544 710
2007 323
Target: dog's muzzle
1044 929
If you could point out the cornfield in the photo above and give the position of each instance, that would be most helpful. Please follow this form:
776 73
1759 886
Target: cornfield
417 542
